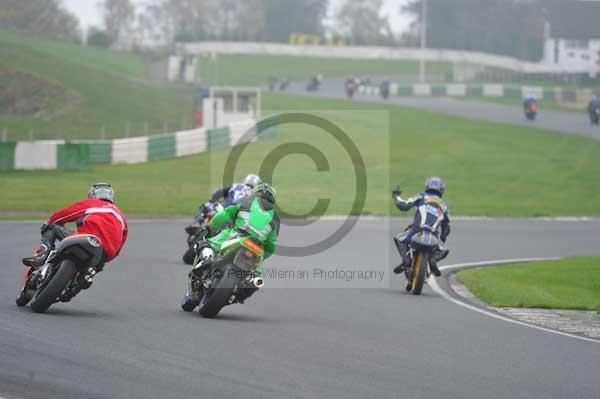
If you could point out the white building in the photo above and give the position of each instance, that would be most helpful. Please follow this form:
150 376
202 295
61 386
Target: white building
572 40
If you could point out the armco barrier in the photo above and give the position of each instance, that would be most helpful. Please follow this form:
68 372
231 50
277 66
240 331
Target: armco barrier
100 151
79 154
72 156
548 94
218 138
36 154
7 156
190 142
130 150
162 146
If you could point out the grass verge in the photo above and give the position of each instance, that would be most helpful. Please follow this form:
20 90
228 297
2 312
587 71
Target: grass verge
491 169
572 283
110 86
256 69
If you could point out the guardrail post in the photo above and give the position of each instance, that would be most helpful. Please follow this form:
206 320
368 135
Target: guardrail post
4 135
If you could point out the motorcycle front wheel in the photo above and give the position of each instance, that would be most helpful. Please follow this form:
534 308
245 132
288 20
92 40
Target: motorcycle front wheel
221 292
45 297
420 265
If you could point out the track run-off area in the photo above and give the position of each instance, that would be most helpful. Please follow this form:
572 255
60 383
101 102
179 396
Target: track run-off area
127 337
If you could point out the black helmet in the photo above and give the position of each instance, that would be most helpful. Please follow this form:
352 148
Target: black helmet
265 191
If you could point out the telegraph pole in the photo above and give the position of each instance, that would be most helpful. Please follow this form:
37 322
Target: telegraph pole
423 40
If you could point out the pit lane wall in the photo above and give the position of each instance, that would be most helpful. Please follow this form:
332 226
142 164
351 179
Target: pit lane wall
549 94
81 154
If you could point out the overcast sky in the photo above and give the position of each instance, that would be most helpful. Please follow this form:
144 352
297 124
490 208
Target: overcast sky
87 11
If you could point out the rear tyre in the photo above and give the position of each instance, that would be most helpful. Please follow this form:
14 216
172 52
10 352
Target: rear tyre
419 272
189 256
220 294
44 298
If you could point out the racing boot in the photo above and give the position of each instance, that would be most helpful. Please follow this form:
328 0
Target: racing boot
403 250
437 256
206 255
193 295
39 256
195 290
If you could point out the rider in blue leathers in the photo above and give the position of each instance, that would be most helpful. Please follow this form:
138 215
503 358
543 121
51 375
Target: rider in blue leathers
235 192
432 211
228 195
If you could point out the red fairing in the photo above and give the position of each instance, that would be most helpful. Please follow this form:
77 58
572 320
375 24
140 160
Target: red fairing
100 218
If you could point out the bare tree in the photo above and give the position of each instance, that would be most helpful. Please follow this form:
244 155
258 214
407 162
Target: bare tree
236 20
363 22
170 20
119 17
43 17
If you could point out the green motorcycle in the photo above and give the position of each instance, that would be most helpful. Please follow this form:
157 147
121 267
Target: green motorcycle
231 271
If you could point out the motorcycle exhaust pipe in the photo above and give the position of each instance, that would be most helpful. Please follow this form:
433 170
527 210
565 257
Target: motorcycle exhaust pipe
258 282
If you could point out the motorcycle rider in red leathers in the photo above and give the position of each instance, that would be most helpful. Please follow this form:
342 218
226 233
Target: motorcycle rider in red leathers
96 215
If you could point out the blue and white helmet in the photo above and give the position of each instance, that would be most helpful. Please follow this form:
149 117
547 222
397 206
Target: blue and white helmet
436 184
252 180
102 191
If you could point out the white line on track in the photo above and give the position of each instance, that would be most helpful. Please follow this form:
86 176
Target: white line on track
435 287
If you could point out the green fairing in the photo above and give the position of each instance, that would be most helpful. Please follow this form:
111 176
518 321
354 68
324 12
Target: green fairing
257 221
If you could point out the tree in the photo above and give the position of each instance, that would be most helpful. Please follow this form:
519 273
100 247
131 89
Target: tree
167 20
509 27
98 38
119 16
236 20
284 17
362 21
41 17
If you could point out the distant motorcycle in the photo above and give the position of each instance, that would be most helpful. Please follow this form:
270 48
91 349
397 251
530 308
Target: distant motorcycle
314 84
594 113
272 83
530 108
284 84
384 89
351 88
69 269
194 231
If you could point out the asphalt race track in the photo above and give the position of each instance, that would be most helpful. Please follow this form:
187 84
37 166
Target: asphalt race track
558 121
127 337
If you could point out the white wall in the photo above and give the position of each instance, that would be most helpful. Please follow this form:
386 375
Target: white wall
362 52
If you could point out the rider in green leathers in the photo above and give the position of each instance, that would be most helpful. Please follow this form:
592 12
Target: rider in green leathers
255 216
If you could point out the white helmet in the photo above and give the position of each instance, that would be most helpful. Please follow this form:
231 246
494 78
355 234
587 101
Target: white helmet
102 191
252 180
